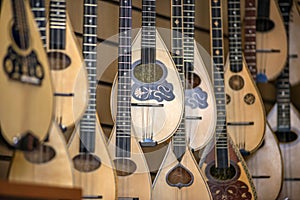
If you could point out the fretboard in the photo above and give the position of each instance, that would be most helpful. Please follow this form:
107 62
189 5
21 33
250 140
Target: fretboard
148 53
188 31
235 39
89 50
57 26
263 9
250 36
39 11
123 129
179 138
282 82
216 30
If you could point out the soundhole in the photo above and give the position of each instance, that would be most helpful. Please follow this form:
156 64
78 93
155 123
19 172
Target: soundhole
236 82
124 167
148 73
264 25
228 174
193 80
58 60
286 137
86 162
42 154
180 177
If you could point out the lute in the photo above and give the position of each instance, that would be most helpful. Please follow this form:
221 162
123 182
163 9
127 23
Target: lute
93 169
49 163
200 104
67 68
134 182
271 45
284 120
265 164
156 88
223 165
25 81
179 176
246 119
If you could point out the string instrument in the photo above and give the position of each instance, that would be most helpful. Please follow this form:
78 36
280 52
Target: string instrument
200 104
27 106
67 68
49 163
224 167
270 41
156 89
284 120
93 169
179 176
245 110
133 180
265 164
294 46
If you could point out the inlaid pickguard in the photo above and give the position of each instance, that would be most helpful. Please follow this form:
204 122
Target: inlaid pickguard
196 98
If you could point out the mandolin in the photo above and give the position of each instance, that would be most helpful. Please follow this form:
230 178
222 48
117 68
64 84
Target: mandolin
133 180
67 68
199 95
265 164
224 167
25 82
284 120
294 46
179 176
156 89
245 110
49 163
271 46
93 169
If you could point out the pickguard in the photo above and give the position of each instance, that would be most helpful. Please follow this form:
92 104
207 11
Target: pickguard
196 98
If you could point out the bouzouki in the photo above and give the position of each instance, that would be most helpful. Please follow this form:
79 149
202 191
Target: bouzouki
133 180
265 164
223 165
179 176
199 95
156 88
271 43
49 163
284 120
25 81
246 119
67 68
93 169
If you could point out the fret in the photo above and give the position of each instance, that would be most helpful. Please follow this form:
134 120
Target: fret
38 9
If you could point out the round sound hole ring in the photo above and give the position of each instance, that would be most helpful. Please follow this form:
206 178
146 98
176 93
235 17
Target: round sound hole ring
236 82
124 167
86 162
42 154
210 169
146 76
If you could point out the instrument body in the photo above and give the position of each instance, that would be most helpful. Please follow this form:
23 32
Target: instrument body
27 106
271 40
200 104
67 68
94 171
133 176
156 88
265 163
225 170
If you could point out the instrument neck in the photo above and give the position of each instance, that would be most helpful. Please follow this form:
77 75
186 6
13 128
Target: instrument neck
216 30
282 82
39 11
89 50
148 53
235 39
179 138
250 36
123 128
263 9
188 31
57 26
